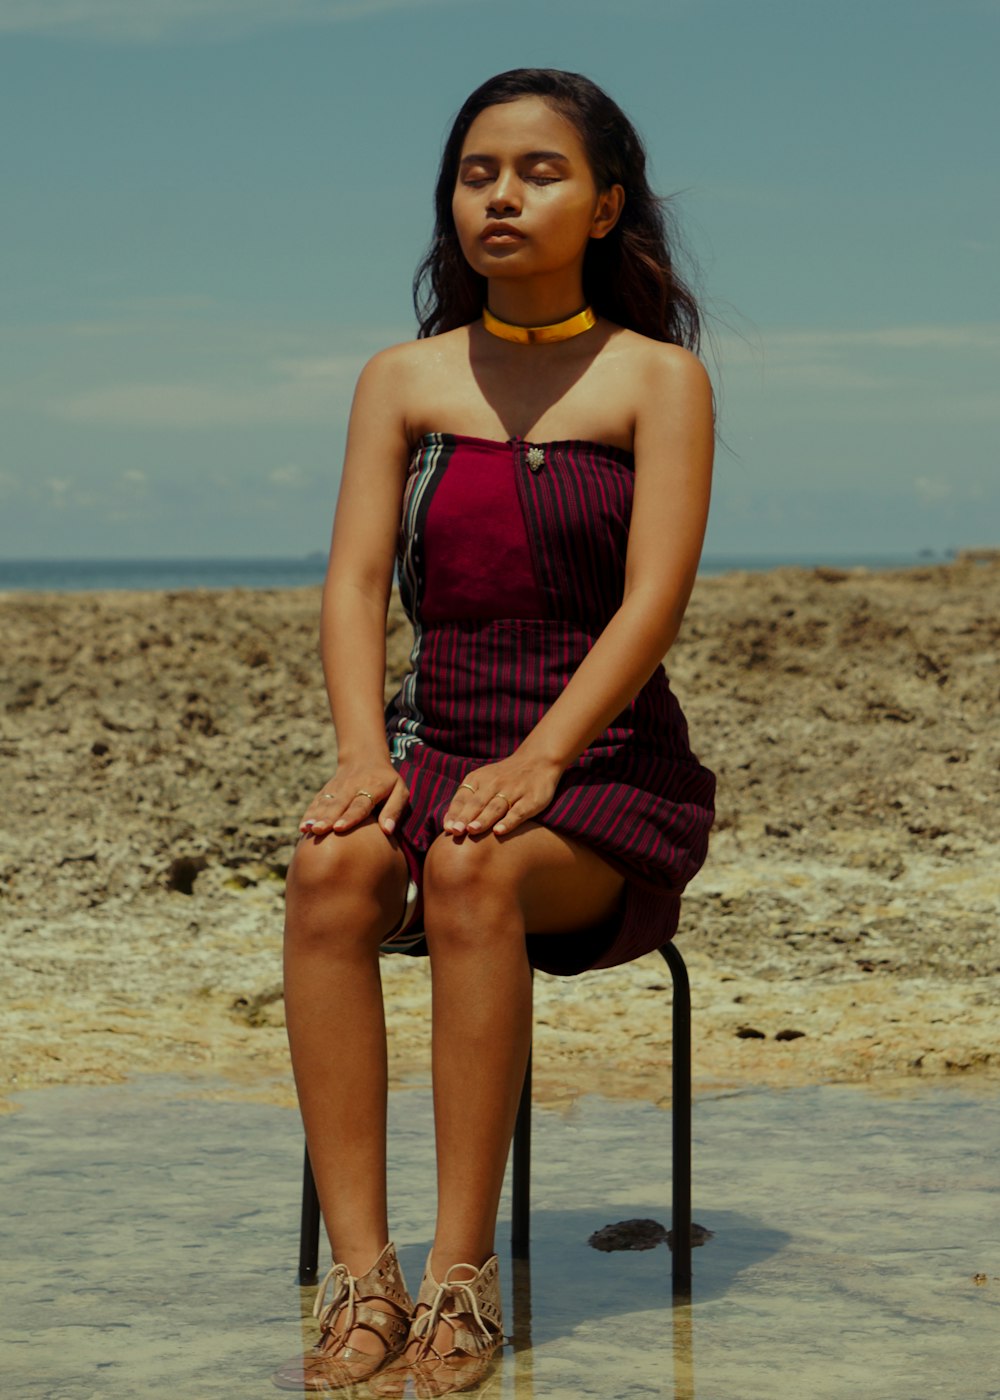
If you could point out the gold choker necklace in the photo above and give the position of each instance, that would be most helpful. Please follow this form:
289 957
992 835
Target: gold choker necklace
540 335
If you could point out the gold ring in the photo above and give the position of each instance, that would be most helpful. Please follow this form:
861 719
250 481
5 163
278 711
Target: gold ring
505 798
361 793
468 785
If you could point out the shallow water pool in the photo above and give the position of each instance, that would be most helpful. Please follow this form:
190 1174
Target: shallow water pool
150 1245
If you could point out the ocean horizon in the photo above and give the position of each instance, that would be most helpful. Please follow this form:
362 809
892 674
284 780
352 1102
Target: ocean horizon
168 574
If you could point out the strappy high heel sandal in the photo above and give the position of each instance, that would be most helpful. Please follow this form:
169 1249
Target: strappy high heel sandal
471 1308
333 1363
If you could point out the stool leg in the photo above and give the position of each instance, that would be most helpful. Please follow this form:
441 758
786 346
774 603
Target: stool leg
681 1265
309 1227
521 1202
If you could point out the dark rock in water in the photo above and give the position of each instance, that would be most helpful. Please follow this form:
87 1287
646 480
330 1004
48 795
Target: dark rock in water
629 1234
790 1035
641 1234
700 1234
750 1033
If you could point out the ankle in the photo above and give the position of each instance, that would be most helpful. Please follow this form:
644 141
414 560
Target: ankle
357 1255
447 1257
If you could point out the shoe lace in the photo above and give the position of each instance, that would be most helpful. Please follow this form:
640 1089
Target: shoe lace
344 1292
462 1295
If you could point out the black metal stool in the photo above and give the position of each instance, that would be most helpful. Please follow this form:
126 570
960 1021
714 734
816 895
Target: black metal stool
521 1208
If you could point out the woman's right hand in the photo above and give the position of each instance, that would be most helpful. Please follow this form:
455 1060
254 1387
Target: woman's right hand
351 796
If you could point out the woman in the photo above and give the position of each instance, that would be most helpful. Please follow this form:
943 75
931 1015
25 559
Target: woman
541 458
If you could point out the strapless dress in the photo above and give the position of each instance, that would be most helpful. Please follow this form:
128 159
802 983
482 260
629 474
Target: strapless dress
511 561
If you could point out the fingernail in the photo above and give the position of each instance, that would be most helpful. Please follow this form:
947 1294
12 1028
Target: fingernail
474 826
389 824
499 827
339 823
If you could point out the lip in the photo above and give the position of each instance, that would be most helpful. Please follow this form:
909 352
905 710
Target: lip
501 233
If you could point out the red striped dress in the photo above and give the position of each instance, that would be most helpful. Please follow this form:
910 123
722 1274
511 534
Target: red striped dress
511 563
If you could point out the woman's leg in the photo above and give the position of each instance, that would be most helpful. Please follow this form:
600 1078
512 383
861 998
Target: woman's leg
344 894
481 896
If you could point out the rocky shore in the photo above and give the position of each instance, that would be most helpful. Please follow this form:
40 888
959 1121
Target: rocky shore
158 749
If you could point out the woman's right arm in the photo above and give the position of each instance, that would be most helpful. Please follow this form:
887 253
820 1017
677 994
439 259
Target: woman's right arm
356 599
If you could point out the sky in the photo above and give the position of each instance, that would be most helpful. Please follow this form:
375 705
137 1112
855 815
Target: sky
213 210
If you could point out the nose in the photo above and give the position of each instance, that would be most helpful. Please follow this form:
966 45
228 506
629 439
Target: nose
504 197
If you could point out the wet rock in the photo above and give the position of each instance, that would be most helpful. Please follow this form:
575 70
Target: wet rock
642 1234
750 1033
699 1235
629 1234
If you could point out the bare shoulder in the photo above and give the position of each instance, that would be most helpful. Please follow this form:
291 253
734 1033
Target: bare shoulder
674 410
390 362
664 369
417 356
404 372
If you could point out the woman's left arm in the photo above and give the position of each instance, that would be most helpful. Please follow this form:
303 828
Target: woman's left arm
674 440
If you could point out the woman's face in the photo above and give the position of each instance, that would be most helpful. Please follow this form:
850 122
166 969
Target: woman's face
523 164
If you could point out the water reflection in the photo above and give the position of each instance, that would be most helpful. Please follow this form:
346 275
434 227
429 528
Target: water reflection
513 1372
683 1351
520 1335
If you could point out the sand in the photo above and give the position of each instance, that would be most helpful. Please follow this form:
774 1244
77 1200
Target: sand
159 748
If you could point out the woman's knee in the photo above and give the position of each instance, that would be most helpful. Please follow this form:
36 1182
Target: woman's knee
468 892
343 888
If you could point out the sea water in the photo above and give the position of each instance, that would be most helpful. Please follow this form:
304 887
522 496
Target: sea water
76 575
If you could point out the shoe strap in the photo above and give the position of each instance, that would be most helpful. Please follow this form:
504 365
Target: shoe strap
390 1328
344 1292
472 1297
383 1280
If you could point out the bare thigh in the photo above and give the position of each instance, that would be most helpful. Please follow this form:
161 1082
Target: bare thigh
561 885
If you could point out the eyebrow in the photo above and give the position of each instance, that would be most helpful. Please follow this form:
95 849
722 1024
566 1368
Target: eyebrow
528 155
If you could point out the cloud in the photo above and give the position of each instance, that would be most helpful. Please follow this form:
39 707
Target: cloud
59 491
933 365
931 489
977 335
289 475
148 21
980 335
311 389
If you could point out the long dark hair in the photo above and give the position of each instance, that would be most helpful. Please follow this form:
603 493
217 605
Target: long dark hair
628 276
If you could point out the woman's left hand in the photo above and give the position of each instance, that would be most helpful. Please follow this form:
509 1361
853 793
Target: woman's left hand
500 796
